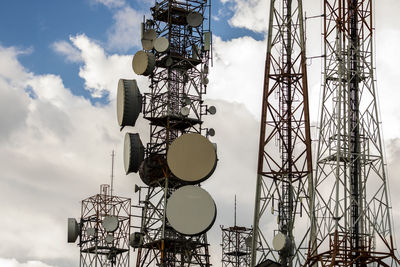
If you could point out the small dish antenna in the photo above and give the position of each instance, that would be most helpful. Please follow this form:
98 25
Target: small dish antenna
186 101
136 240
110 223
133 152
212 110
280 242
185 111
129 102
211 132
204 80
143 63
161 44
192 158
169 61
73 230
194 19
109 238
191 210
90 231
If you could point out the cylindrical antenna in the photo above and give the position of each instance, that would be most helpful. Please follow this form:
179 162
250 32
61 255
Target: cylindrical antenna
112 170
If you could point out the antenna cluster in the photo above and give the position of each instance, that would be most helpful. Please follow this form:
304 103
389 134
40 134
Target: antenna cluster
176 212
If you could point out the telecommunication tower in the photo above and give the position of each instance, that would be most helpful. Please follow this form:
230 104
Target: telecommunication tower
284 159
352 208
236 245
175 213
103 230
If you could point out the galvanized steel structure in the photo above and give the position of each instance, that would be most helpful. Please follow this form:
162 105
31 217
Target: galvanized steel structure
173 106
352 206
284 159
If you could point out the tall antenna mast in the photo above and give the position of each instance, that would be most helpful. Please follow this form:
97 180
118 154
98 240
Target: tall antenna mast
284 158
351 198
112 171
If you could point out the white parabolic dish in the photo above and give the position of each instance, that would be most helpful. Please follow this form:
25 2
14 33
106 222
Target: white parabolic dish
280 241
192 158
143 63
191 210
110 223
161 44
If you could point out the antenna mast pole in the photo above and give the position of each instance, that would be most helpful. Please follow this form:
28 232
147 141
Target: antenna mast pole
112 171
284 159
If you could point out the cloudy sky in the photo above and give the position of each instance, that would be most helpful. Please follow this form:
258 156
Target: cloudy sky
60 62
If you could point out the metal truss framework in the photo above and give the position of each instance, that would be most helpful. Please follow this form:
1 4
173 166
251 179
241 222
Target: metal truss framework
284 161
235 249
352 210
97 248
178 81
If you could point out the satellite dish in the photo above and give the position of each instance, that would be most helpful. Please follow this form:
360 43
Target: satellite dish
194 19
110 223
185 111
73 230
136 240
109 238
169 61
212 110
211 132
191 210
192 158
153 169
161 44
90 231
280 242
129 102
143 63
186 101
133 152
205 80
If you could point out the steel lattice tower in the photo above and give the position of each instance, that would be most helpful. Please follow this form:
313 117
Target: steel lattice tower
284 161
173 106
236 245
352 209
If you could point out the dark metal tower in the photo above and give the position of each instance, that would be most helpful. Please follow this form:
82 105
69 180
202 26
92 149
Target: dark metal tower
236 245
284 161
104 230
352 210
177 61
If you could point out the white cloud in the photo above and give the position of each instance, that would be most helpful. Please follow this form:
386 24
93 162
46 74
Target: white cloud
110 3
102 71
15 263
237 74
66 49
125 33
250 14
